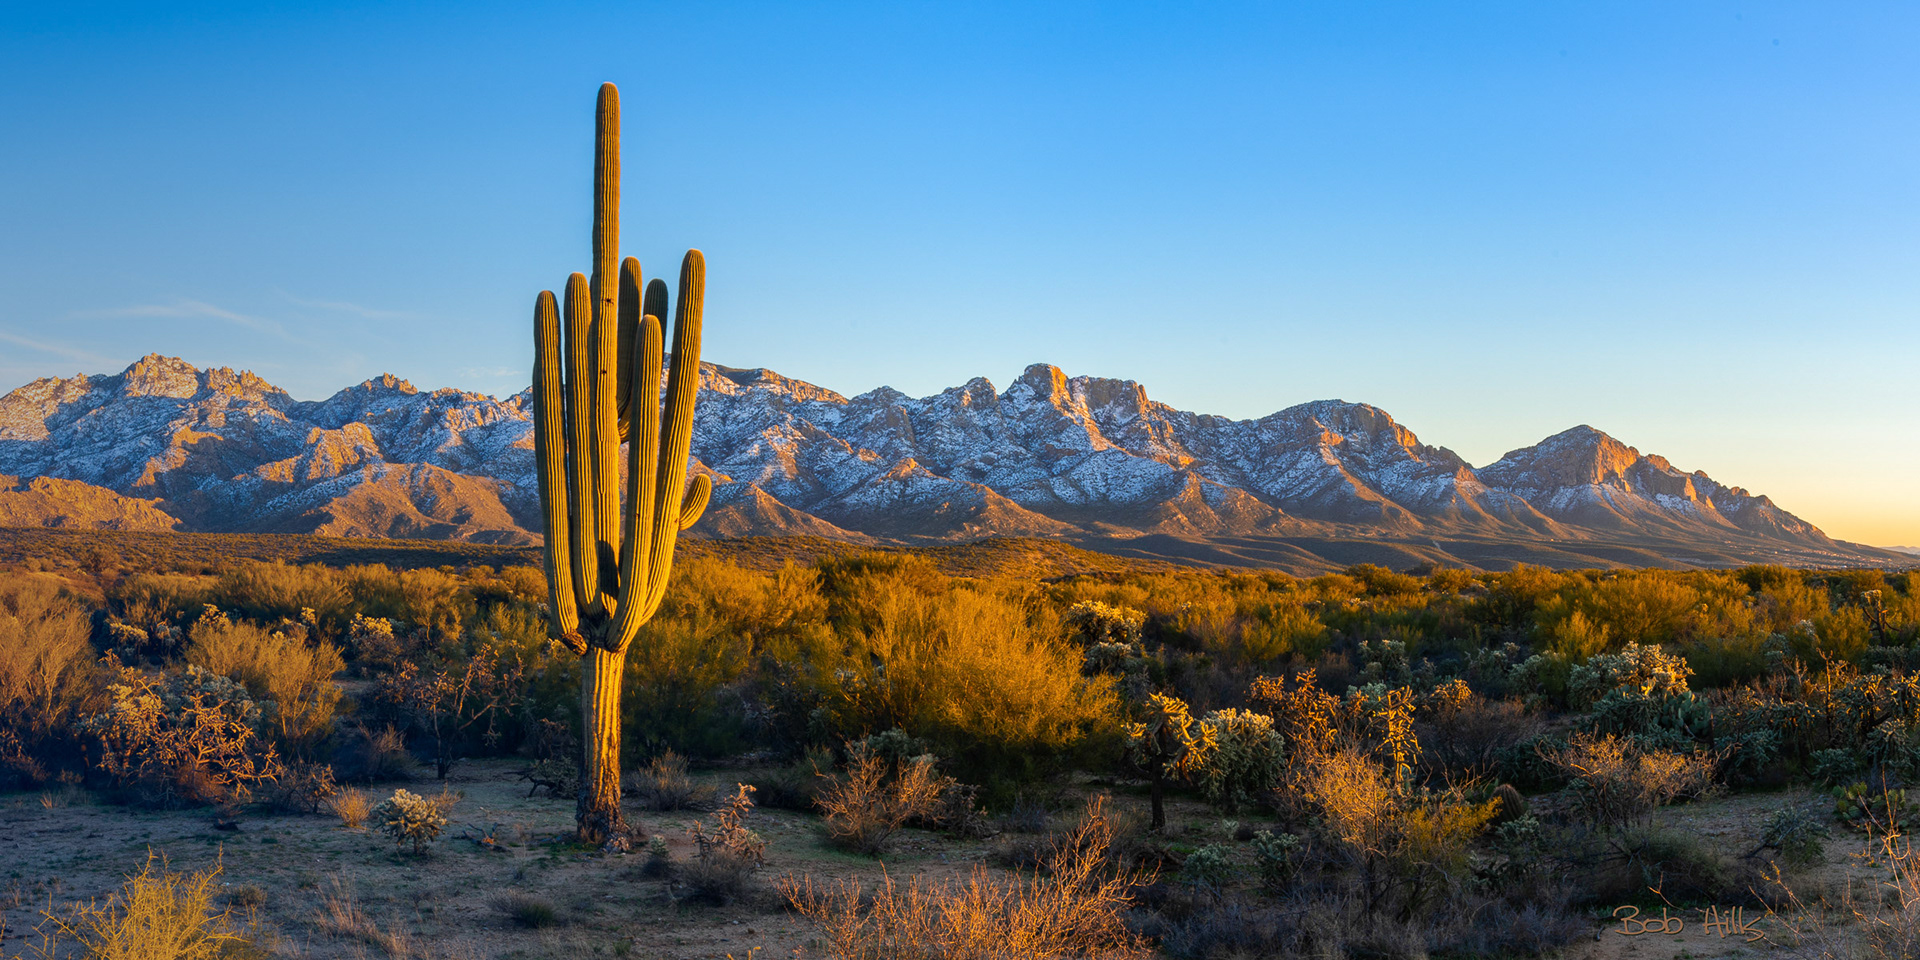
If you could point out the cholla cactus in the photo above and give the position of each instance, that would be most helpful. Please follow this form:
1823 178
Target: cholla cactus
408 817
1247 759
1170 745
1647 671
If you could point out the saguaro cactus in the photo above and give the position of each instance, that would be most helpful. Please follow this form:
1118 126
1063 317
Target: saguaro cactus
596 382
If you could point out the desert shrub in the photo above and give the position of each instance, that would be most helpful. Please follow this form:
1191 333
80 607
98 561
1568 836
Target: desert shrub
408 818
1835 766
291 679
869 801
433 601
277 590
372 755
159 914
188 737
1465 736
1796 834
663 784
998 696
727 856
1403 845
524 909
1094 623
1380 581
678 689
1075 907
1617 783
47 680
1653 866
659 862
1246 761
452 701
1283 629
796 786
374 646
303 787
352 807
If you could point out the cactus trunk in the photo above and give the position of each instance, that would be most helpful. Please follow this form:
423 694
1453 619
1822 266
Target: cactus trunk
597 814
597 371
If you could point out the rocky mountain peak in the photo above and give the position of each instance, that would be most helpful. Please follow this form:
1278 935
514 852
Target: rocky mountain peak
156 376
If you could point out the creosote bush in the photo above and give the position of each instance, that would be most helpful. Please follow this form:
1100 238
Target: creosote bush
868 802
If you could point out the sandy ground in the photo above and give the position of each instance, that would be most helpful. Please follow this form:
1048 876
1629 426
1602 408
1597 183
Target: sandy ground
75 849
62 847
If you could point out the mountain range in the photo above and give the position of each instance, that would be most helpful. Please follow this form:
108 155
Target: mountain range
165 445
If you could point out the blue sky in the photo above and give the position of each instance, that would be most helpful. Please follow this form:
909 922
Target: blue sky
1695 226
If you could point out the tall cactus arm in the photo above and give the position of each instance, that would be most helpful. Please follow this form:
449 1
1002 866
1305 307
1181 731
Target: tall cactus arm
642 451
657 299
695 503
676 432
606 334
606 204
550 454
630 314
606 448
582 499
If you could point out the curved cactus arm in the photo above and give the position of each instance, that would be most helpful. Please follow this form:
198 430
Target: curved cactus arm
550 455
582 498
676 440
642 452
695 503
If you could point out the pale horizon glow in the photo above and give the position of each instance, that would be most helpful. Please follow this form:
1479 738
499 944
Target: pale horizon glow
1694 228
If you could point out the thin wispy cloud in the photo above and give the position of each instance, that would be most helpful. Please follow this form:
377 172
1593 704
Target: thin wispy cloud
188 309
75 354
343 306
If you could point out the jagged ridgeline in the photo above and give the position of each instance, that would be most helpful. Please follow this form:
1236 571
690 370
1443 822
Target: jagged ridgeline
596 383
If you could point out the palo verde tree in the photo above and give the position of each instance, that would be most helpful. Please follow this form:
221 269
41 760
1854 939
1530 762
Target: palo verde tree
596 383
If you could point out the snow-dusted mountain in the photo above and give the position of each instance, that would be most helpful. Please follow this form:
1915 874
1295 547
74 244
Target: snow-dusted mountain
1084 458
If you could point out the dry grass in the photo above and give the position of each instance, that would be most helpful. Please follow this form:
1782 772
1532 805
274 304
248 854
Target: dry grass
663 784
352 807
1076 908
158 915
341 916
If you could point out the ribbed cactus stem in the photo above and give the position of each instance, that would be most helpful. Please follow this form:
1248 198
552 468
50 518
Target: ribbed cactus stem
676 440
598 355
550 455
582 498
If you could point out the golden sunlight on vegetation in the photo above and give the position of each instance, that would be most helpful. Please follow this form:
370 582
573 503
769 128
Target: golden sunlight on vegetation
1194 763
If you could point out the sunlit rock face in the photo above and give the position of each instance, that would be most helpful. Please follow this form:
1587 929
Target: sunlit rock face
1050 455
